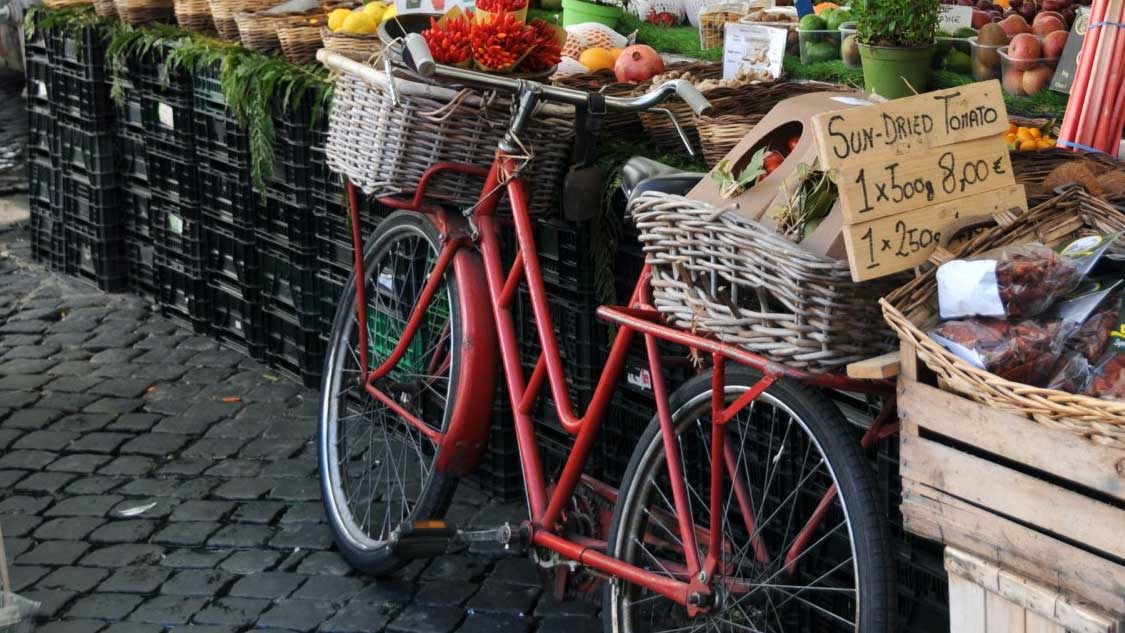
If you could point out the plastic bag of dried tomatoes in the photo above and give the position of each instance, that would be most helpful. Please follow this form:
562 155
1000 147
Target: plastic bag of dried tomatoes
1015 282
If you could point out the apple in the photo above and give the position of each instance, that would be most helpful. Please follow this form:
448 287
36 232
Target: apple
1036 80
1043 14
1053 5
1025 46
1013 82
980 18
1054 44
1013 25
1048 24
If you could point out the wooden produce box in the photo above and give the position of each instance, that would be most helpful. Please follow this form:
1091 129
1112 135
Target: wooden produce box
1044 504
987 598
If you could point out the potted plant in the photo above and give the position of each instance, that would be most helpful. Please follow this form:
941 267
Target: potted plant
896 44
606 12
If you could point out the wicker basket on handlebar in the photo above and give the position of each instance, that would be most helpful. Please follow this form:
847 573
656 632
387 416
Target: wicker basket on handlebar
719 273
384 148
910 311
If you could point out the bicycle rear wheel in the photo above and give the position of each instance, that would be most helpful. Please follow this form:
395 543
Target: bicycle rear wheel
377 471
790 447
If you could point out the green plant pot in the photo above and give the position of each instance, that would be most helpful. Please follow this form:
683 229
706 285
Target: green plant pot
894 72
578 11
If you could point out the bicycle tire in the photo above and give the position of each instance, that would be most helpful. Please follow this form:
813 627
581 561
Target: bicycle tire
363 551
876 597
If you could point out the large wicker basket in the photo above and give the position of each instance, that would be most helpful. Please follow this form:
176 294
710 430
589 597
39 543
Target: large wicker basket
299 43
384 148
145 11
258 30
910 310
749 99
105 8
719 133
716 272
194 15
1031 169
63 4
223 12
603 81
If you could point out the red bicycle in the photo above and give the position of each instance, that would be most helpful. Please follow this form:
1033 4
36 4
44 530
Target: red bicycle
747 504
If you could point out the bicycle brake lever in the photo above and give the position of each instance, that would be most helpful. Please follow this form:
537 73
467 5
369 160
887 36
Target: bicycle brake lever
679 130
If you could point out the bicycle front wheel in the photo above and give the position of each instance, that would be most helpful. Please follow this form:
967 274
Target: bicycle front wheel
780 569
377 471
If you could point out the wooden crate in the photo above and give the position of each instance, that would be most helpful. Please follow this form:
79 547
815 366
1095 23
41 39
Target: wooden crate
984 598
1042 503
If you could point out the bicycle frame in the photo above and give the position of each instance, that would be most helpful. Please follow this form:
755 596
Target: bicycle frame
638 317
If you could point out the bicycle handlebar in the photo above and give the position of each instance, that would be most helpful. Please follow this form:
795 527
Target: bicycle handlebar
419 60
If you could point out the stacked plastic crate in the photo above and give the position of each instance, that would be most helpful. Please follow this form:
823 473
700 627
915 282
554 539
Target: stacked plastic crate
136 196
43 175
165 100
231 257
287 245
94 231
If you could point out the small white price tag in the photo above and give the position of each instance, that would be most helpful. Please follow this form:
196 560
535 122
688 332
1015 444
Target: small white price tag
175 224
753 46
166 115
954 16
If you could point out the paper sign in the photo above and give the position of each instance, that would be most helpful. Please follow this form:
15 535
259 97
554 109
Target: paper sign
953 16
431 6
753 46
1068 61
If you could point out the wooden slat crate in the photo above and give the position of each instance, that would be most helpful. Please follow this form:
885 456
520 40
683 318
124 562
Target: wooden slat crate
984 598
1045 504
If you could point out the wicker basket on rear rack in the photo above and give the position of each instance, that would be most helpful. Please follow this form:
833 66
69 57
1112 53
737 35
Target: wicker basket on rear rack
750 99
716 272
910 311
384 148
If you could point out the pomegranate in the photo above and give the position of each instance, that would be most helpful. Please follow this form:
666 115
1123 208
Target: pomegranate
638 63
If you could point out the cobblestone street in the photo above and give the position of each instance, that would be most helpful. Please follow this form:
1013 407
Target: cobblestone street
151 480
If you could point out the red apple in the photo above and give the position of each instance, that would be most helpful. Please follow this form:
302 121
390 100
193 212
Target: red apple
1047 14
1045 25
1013 25
1025 46
1036 80
1013 82
980 18
1054 44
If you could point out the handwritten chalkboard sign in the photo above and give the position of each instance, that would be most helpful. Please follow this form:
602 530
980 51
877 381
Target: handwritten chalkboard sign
906 169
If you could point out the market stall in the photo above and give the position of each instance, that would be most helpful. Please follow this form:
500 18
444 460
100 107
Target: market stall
829 217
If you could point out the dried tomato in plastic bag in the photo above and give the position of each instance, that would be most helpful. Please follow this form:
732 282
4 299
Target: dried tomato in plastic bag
1024 351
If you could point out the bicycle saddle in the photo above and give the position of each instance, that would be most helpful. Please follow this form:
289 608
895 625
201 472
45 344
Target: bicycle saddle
640 174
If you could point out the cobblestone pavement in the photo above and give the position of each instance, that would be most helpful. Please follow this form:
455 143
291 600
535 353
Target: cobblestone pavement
107 409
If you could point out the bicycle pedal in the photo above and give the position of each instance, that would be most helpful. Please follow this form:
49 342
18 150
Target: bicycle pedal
501 535
422 539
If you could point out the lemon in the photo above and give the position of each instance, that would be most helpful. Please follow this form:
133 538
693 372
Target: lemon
596 59
390 12
375 10
359 23
337 17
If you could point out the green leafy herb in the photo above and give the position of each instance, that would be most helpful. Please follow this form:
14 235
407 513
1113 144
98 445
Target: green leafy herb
732 184
909 23
809 196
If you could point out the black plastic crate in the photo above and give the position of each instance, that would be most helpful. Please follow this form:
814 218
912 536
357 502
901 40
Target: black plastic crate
81 98
498 473
141 253
136 206
227 199
90 205
295 351
219 137
167 117
581 338
636 377
44 184
153 76
42 131
97 256
555 443
46 235
178 234
207 83
133 161
37 72
36 45
89 152
172 176
80 52
130 111
290 187
627 418
289 285
232 259
181 294
287 226
565 251
330 286
237 319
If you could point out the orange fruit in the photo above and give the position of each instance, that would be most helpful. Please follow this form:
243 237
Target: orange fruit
616 52
597 59
1028 146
